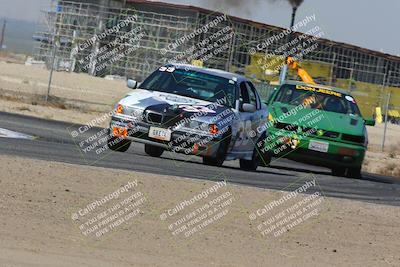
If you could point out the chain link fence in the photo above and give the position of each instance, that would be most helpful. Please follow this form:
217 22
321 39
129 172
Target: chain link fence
368 75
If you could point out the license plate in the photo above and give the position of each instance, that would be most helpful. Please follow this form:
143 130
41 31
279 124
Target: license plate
160 133
318 146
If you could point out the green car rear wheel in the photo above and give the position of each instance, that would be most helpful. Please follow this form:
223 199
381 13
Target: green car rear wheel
354 172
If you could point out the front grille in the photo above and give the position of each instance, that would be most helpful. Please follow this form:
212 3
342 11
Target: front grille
323 133
285 126
353 138
154 118
307 130
331 134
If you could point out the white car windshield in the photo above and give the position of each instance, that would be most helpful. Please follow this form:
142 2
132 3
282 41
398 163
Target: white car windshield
192 84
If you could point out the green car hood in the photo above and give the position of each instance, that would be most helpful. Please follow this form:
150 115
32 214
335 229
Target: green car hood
331 121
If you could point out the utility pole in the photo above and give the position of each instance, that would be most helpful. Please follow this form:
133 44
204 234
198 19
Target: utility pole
284 69
3 30
55 43
52 67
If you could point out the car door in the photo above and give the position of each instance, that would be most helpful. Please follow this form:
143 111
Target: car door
259 117
261 114
248 121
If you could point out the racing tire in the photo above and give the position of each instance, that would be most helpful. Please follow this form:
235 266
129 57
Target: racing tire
354 172
217 162
117 144
221 152
153 151
250 165
338 171
266 156
266 160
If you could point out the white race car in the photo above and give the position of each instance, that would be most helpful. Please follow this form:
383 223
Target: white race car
186 109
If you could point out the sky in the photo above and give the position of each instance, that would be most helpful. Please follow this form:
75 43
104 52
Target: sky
366 23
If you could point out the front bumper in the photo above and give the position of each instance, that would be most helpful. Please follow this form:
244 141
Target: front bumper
338 154
185 142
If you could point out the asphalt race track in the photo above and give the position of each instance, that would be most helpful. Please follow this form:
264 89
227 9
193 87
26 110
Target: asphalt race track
54 142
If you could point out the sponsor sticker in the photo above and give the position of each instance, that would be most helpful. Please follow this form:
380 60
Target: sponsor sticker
318 90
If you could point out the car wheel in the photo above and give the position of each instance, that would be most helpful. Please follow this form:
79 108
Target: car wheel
338 171
219 159
213 161
250 165
265 160
265 156
354 172
153 151
118 144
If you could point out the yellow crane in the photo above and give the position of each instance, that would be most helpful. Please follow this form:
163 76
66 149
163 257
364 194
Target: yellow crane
293 64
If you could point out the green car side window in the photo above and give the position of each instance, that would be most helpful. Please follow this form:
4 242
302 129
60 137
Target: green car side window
272 96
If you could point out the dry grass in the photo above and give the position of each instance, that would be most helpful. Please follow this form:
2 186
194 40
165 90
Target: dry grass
390 169
393 151
53 101
385 162
12 57
366 163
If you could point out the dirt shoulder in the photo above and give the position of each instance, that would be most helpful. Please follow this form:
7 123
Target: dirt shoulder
383 162
39 200
73 86
74 97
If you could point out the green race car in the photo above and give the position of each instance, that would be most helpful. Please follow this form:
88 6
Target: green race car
318 125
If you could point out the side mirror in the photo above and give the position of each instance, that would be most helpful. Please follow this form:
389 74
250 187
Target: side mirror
246 107
369 121
132 83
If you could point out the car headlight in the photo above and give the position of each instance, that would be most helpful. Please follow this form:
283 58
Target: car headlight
127 110
134 112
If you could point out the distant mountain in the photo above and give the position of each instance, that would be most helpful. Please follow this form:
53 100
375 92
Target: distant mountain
18 35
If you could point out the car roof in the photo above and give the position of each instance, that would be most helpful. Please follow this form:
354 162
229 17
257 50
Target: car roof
215 72
336 89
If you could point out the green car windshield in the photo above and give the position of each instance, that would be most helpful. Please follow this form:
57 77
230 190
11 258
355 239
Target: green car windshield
317 98
192 84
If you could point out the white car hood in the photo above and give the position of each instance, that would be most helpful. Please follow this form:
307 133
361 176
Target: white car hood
142 99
